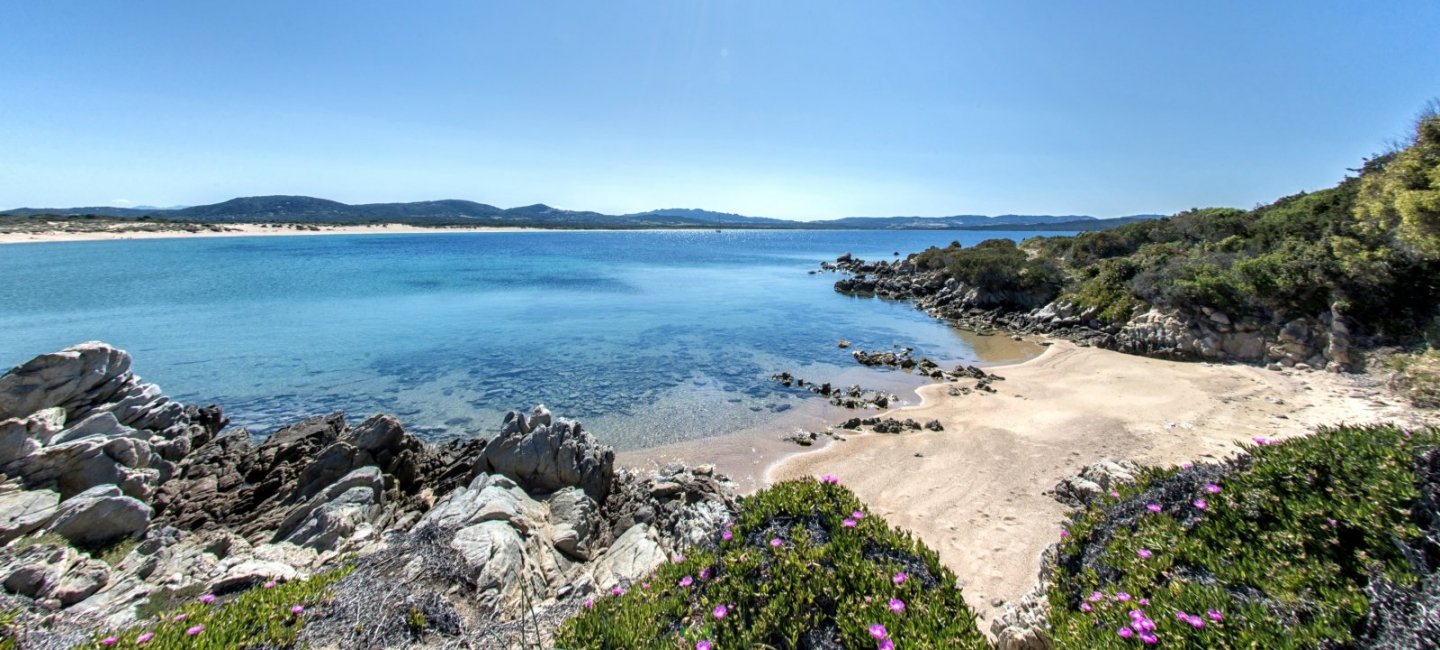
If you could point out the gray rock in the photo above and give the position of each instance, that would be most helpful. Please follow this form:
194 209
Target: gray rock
99 516
66 379
633 556
103 423
575 519
1095 480
544 456
80 581
377 433
502 570
24 511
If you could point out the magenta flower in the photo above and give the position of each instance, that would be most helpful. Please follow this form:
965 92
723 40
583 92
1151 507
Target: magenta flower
897 605
1196 622
727 535
720 611
195 630
885 644
1212 488
900 578
1152 507
687 581
678 558
830 478
207 598
878 631
1064 533
616 591
1149 638
181 617
1125 633
848 523
270 584
703 645
297 610
705 573
1200 504
1180 614
1115 494
1186 465
1085 607
1260 441
775 543
1097 597
589 603
1215 615
857 515
1122 596
144 638
1144 553
1144 601
110 640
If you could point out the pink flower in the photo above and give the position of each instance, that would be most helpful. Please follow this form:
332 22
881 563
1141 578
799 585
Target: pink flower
1122 596
878 631
857 515
678 558
297 610
1200 504
1212 488
1144 553
195 630
1115 494
897 605
207 598
1149 638
1152 507
616 591
181 617
848 523
1260 441
1196 622
1064 533
1215 615
727 535
144 638
885 644
1085 607
1096 597
270 584
775 543
720 611
1186 465
705 573
900 578
1125 633
644 585
703 645
1144 601
589 603
830 478
687 581
110 640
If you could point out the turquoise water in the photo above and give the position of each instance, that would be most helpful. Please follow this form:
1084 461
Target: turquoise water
649 337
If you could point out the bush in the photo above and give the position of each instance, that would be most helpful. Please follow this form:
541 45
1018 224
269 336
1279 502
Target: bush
1418 377
1272 550
258 618
823 586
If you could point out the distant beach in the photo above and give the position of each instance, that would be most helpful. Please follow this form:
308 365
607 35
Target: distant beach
234 230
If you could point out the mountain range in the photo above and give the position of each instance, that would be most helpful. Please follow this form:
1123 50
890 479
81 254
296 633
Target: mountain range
452 212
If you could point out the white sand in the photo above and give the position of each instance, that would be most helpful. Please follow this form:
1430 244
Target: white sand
126 231
975 492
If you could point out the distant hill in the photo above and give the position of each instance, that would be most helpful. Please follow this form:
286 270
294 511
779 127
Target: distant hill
452 212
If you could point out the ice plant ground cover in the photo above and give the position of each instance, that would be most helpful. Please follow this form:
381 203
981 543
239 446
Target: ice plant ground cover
1282 547
262 617
826 585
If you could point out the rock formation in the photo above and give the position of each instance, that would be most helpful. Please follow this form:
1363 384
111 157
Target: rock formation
96 462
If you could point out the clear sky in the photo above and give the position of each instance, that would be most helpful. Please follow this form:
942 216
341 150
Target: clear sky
793 109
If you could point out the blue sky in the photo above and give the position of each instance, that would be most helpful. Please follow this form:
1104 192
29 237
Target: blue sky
791 109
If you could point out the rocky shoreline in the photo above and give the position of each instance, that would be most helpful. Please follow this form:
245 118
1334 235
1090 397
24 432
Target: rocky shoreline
1302 341
116 502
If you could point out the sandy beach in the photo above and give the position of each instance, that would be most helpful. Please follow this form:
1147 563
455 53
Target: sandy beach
976 492
235 230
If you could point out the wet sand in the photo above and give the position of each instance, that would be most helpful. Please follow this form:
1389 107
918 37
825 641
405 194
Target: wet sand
235 230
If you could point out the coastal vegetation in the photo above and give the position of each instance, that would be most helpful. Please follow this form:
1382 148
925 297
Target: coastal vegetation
1367 250
804 565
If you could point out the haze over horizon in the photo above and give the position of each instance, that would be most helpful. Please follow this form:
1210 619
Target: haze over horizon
802 110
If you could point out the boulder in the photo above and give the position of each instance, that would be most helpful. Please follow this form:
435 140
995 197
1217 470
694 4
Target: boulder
99 516
633 556
545 456
24 511
1095 480
574 517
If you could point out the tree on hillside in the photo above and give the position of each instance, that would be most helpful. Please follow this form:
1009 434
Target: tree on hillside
1404 197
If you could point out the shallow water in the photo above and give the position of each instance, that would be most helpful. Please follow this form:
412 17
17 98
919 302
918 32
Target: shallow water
647 337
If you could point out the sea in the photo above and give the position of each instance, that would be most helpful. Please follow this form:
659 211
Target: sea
648 338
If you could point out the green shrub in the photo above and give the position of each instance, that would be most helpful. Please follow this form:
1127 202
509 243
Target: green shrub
1418 377
825 581
259 617
1275 555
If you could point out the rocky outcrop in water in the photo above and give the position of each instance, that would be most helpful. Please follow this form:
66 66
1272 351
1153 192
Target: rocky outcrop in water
97 463
1317 341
